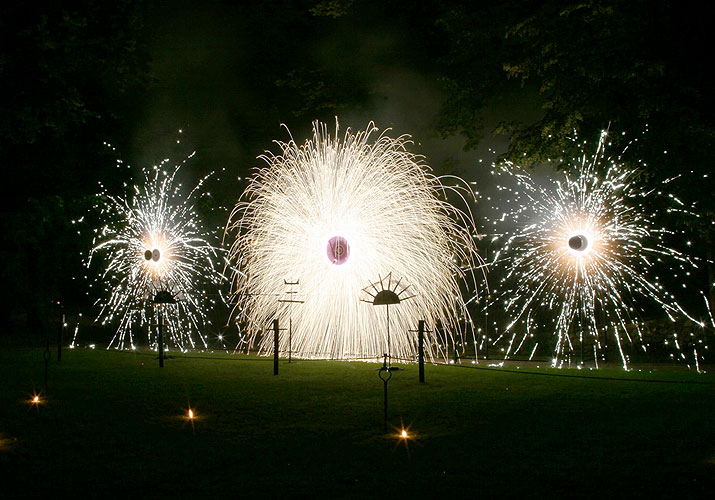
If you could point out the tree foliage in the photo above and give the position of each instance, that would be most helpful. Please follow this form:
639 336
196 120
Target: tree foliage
69 73
630 65
624 63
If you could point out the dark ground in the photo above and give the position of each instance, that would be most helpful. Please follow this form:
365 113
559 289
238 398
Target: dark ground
113 424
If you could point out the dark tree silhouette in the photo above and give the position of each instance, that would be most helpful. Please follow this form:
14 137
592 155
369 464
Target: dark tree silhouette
69 72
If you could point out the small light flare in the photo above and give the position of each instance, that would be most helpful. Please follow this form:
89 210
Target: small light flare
403 435
190 414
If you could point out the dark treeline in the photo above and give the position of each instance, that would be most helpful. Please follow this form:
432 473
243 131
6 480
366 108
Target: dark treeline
75 74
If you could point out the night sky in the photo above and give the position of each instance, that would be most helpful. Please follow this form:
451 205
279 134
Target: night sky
220 75
228 75
87 85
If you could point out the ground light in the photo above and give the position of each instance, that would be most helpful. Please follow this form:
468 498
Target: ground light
191 417
6 443
403 435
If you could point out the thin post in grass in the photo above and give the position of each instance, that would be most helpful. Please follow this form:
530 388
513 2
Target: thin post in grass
59 339
46 356
385 379
581 321
275 347
421 349
290 301
160 339
162 297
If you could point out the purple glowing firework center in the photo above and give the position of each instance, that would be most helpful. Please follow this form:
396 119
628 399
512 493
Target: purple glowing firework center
338 250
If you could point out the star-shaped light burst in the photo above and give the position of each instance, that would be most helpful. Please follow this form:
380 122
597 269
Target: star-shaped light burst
332 215
155 254
579 255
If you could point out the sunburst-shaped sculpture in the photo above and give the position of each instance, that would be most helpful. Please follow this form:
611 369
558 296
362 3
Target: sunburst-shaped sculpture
385 292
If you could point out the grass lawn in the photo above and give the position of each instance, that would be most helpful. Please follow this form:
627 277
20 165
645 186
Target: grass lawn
114 424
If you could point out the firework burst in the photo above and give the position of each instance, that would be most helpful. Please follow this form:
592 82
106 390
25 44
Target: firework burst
156 259
325 220
580 256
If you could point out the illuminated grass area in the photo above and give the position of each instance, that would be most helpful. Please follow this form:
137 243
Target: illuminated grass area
115 422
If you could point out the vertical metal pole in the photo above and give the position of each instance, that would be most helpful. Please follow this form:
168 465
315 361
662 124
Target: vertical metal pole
384 418
385 367
275 347
421 349
160 338
46 356
59 339
580 320
389 352
605 335
486 329
290 337
385 374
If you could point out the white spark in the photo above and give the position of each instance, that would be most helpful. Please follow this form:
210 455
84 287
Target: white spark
582 254
335 216
153 241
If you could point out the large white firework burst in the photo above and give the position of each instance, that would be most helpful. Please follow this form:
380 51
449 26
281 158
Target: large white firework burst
579 255
334 221
153 242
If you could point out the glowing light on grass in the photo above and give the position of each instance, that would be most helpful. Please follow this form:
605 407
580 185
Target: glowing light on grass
580 255
7 443
403 436
153 243
333 215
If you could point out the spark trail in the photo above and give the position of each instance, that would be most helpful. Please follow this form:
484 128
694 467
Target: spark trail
153 242
580 255
324 220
